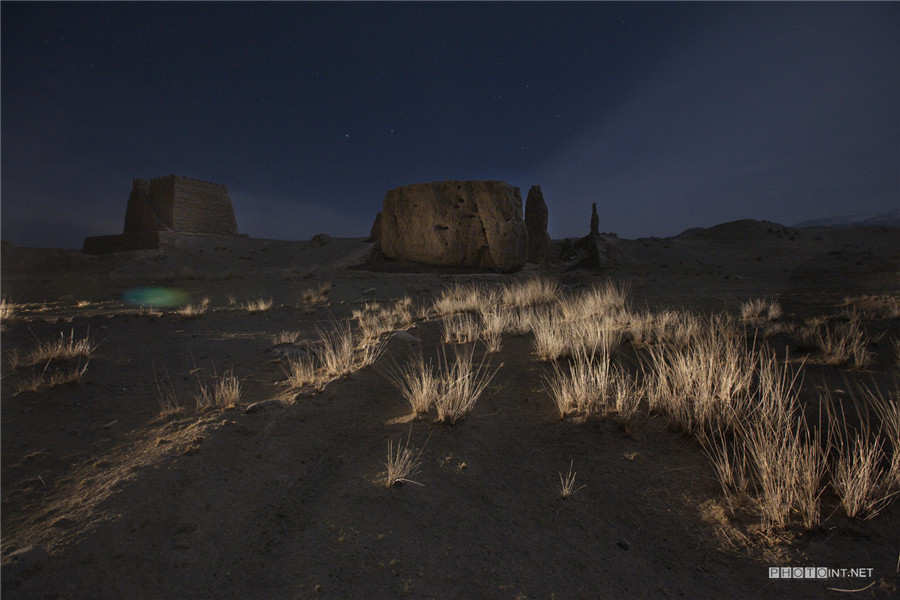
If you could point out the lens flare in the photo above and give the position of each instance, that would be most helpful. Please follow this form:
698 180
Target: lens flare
155 296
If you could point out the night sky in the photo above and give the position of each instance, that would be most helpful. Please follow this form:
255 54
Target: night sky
669 116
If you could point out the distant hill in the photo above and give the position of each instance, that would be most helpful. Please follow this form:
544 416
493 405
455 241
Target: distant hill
887 219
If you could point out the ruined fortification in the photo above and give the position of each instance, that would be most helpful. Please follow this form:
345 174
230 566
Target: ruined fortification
162 207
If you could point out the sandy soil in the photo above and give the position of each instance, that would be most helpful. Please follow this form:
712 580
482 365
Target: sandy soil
102 497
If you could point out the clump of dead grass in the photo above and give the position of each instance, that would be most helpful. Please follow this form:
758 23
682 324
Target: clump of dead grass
317 295
844 344
417 383
761 309
401 464
285 337
461 384
194 311
494 323
7 310
303 371
63 348
376 320
464 298
567 483
258 305
873 307
530 292
169 404
224 392
460 328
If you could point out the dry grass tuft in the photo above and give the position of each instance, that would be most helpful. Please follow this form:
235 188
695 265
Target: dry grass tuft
864 475
193 311
606 300
531 292
285 337
258 305
871 307
461 384
376 320
464 298
417 382
67 376
225 392
62 349
303 371
703 384
844 344
318 295
55 378
166 396
341 353
495 322
401 464
762 309
7 310
460 329
567 483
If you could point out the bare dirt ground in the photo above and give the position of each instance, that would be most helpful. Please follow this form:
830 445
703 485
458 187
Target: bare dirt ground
102 497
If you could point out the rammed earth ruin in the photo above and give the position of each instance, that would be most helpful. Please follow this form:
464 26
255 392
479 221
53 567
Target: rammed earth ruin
161 208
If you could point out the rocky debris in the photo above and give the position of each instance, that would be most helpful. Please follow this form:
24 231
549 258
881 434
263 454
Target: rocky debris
23 564
320 239
536 217
456 223
263 405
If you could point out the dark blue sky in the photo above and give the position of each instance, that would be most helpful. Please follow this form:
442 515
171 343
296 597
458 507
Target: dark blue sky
668 116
